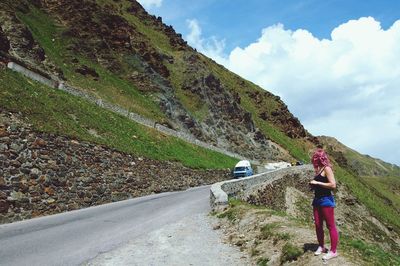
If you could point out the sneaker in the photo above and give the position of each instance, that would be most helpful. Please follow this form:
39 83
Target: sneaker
320 250
330 255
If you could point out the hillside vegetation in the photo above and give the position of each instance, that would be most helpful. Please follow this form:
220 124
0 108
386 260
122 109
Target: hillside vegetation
118 52
57 112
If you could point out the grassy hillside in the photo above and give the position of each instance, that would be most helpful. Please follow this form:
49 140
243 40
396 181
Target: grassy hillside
388 188
54 111
108 85
383 204
115 86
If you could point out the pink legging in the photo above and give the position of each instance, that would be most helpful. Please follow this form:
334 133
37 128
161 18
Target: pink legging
327 214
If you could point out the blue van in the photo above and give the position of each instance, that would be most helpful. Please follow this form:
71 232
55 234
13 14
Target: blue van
242 169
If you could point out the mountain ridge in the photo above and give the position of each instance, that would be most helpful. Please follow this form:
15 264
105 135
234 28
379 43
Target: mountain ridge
223 105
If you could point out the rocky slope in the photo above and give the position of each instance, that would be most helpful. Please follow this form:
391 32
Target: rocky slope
122 38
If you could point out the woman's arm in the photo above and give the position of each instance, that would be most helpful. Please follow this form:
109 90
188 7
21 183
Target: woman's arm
331 179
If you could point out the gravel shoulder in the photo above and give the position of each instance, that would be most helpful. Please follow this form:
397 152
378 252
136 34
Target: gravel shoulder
191 241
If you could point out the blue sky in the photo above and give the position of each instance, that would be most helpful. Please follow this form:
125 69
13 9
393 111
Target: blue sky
335 63
239 22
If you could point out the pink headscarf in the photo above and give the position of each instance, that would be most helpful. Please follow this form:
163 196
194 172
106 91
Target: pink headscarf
320 158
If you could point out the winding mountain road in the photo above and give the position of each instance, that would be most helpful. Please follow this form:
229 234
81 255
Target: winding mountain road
131 232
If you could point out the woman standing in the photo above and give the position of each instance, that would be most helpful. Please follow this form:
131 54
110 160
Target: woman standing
324 203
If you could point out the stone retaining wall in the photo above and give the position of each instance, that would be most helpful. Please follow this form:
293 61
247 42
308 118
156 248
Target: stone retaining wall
244 187
114 108
42 174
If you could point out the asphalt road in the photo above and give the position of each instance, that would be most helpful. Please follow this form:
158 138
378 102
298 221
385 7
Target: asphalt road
76 237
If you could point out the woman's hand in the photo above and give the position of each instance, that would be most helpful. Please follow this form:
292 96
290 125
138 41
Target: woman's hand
313 182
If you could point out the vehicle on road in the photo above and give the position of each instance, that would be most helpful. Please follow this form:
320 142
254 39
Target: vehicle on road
242 169
297 163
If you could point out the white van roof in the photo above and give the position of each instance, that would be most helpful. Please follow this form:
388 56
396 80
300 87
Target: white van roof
243 163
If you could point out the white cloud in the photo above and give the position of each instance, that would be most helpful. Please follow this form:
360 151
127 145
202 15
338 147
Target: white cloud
346 86
211 47
150 3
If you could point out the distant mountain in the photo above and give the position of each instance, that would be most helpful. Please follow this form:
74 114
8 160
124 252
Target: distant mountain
362 165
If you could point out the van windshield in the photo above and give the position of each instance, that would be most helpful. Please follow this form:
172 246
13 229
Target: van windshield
240 168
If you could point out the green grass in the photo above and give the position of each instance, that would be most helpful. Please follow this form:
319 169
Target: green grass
109 86
230 214
48 35
294 146
262 261
387 187
283 236
155 36
366 194
369 252
237 208
54 111
233 211
268 230
237 202
290 252
118 91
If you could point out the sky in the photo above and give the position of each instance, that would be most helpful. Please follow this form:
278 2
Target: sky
335 63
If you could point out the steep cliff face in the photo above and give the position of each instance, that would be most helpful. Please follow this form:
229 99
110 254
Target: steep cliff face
86 38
